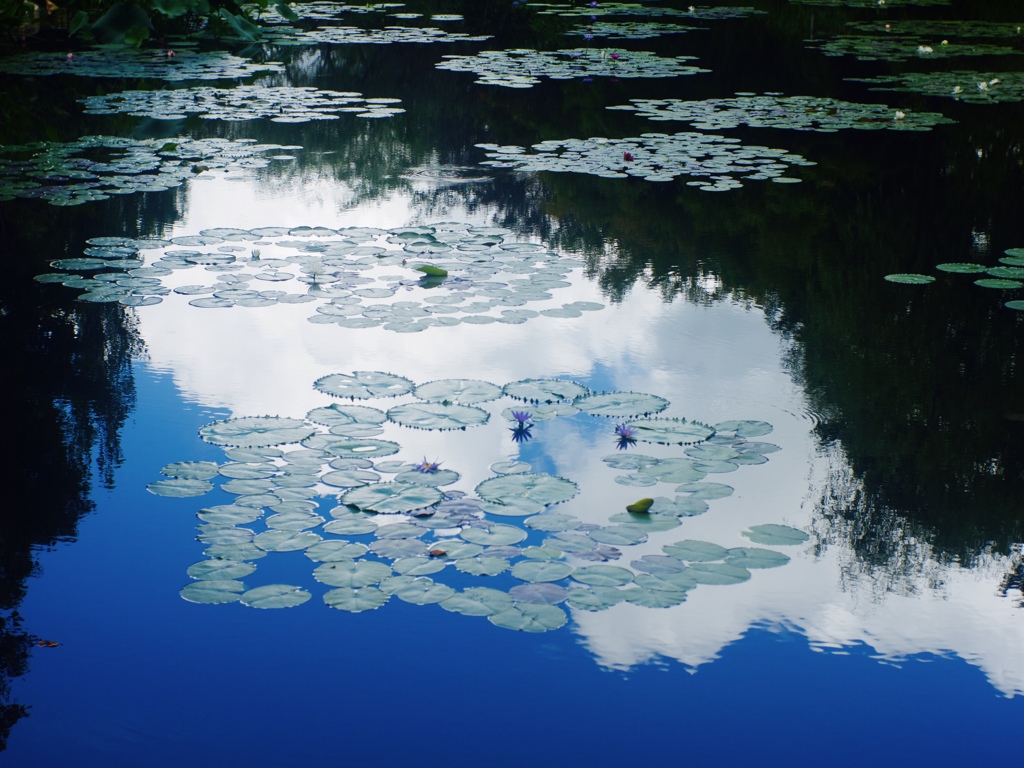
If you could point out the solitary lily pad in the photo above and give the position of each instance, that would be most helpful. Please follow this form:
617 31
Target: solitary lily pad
775 534
356 600
910 279
275 596
392 498
528 617
256 431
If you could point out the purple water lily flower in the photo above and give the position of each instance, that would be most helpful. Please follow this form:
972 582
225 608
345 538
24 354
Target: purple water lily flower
428 467
627 436
522 416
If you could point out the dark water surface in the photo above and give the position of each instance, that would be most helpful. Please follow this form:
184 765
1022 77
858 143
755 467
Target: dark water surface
893 635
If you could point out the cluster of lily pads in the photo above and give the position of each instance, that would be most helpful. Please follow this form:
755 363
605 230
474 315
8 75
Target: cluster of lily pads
523 67
385 36
717 163
321 11
404 279
1006 277
939 28
969 86
635 9
394 528
879 4
903 48
282 104
772 110
95 167
130 64
628 30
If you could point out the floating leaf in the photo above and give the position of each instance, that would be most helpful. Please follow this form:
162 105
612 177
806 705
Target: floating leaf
275 596
671 431
363 385
718 573
541 570
352 447
652 598
392 498
356 600
527 617
256 431
545 390
697 551
461 391
478 601
536 488
179 488
620 404
596 598
423 591
538 594
333 551
285 541
482 566
603 575
351 573
437 416
754 557
213 591
775 534
495 536
191 470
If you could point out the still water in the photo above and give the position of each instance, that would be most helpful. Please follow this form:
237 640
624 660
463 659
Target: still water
868 431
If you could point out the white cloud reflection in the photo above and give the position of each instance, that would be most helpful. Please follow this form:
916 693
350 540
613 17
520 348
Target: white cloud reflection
712 363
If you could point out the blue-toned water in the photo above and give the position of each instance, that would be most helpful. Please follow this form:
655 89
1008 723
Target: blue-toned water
878 422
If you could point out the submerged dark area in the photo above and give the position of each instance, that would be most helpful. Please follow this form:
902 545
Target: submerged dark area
912 394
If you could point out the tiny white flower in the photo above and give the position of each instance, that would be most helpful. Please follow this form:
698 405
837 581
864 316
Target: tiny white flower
900 114
924 49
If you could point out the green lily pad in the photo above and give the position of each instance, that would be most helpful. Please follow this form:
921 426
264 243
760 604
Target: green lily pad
424 591
528 617
671 431
718 573
483 565
392 498
356 600
534 488
603 575
495 536
352 447
461 391
179 488
478 601
620 404
191 470
213 591
338 414
541 570
999 284
438 416
334 551
775 534
695 551
961 267
256 431
910 279
285 541
363 385
418 566
653 598
351 573
754 557
275 596
545 390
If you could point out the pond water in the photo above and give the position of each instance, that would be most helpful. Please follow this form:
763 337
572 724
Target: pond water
333 375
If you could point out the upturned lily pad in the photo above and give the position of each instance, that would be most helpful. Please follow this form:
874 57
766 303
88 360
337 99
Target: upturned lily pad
545 390
801 113
438 416
356 600
363 385
671 431
541 570
256 431
523 68
620 404
461 391
527 617
775 534
275 596
392 498
213 591
535 488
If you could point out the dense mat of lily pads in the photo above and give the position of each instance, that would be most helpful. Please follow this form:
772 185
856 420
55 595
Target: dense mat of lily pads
282 104
902 48
405 279
523 67
801 113
939 28
878 4
323 11
376 526
131 64
969 86
717 163
95 167
628 30
359 36
1007 276
635 9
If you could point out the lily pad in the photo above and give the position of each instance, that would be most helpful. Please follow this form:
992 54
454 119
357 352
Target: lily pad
755 557
213 591
695 551
356 600
495 536
603 575
910 278
620 404
775 534
478 601
438 416
461 391
179 488
424 591
534 488
392 498
363 385
541 570
256 431
527 617
275 596
671 431
335 550
351 573
482 566
191 470
545 390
